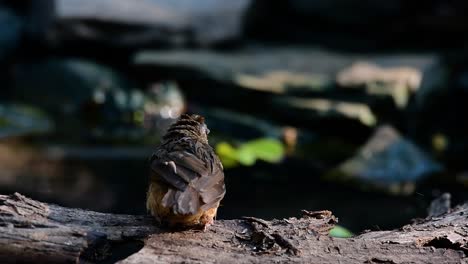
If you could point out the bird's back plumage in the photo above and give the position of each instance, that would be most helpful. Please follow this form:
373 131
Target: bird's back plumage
187 179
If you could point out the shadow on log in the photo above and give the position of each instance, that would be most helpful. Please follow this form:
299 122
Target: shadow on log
31 231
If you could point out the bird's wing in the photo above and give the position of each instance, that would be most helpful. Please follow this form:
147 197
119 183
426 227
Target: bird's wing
178 168
211 188
193 183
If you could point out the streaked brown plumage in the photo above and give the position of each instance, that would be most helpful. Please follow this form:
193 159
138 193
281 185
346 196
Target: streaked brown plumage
187 179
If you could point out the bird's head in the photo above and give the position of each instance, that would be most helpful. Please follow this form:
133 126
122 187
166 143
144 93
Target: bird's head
203 129
189 125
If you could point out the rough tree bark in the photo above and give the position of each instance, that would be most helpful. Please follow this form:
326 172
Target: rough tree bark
31 231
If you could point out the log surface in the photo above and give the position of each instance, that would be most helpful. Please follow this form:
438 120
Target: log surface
31 231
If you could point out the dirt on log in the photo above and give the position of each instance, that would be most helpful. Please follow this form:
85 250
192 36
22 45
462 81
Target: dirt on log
31 231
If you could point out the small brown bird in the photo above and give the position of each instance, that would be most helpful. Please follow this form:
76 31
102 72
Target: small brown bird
187 179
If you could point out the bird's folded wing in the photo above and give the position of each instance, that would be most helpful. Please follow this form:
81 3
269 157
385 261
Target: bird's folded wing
213 195
178 168
194 183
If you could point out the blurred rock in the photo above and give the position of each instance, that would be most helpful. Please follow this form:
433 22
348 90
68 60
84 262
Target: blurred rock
89 101
388 161
399 83
11 27
283 81
288 70
267 74
363 73
327 109
250 76
20 120
261 68
151 22
223 79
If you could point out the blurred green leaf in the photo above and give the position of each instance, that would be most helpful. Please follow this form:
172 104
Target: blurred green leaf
339 231
269 150
227 154
226 150
246 156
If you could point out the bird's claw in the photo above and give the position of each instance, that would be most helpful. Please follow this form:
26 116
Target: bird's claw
208 224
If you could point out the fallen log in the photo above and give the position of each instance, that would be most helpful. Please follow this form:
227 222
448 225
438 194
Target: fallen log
31 231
